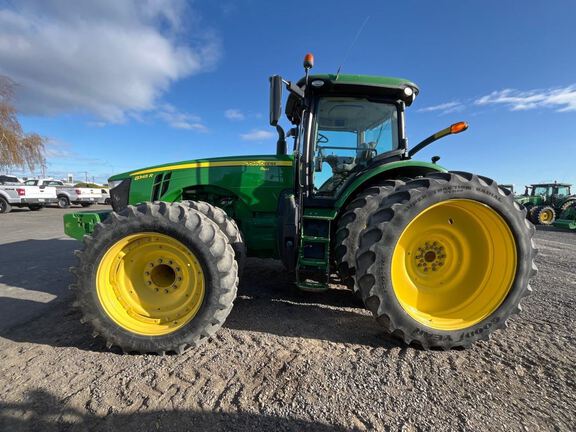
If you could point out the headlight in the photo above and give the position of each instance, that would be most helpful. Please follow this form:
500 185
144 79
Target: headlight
112 184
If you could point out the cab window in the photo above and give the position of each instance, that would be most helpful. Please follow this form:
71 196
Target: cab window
541 190
349 132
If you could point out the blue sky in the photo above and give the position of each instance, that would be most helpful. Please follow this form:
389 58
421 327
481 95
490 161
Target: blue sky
122 85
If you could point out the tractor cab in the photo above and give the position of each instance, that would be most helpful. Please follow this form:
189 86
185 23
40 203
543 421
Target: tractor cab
548 189
347 131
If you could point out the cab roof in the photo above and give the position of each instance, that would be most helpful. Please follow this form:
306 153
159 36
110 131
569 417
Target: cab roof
349 84
363 80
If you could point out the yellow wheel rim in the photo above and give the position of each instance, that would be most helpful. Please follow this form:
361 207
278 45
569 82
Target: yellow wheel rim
546 215
150 284
454 264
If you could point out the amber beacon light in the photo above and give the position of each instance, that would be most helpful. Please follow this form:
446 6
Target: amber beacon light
308 61
458 127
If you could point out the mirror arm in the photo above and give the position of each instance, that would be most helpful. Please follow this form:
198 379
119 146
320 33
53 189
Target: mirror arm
293 88
281 143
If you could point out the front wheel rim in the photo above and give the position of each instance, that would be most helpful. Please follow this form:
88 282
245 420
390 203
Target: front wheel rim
454 264
150 284
546 215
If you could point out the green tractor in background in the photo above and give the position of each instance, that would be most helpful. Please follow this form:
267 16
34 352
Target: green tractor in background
442 259
547 202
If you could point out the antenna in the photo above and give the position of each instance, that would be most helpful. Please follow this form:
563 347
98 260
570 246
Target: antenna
352 45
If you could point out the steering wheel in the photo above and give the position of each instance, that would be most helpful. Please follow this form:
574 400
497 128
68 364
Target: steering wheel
322 139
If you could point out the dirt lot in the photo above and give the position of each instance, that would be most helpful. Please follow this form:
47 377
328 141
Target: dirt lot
283 361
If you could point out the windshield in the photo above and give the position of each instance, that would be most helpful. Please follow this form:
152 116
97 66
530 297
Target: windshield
350 131
541 190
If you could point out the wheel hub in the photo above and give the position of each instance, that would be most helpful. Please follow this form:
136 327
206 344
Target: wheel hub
162 275
430 256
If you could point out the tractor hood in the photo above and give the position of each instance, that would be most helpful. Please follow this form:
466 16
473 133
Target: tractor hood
250 160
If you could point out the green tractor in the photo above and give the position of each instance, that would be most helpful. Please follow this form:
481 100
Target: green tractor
442 259
546 201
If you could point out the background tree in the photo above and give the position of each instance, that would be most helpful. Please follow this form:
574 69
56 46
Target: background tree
17 148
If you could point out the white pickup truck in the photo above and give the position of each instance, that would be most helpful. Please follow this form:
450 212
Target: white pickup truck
20 195
67 194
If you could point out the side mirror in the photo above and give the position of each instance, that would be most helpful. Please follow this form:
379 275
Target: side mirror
275 99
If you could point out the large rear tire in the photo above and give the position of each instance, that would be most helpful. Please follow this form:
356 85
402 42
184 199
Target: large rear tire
351 223
159 277
228 227
446 260
569 203
532 214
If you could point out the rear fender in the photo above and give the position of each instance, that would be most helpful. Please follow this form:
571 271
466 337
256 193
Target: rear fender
390 171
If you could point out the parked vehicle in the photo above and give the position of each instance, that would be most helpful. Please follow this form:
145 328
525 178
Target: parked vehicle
67 194
105 200
20 195
8 179
546 201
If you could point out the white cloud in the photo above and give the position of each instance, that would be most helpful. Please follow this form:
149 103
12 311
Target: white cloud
180 120
234 114
561 99
107 58
257 135
444 108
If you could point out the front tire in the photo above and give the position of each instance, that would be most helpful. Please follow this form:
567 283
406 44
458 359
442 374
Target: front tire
544 215
227 225
158 277
445 260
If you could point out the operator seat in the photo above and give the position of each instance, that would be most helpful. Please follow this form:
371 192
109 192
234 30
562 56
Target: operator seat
365 152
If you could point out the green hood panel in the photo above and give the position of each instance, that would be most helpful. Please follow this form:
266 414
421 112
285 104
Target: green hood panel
251 160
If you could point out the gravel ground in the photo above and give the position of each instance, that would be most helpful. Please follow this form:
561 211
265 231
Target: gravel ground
283 361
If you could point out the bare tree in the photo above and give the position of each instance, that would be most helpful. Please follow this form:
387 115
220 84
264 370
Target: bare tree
17 148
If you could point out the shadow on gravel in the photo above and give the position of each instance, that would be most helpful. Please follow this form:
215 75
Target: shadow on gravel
29 270
554 229
37 265
268 302
41 411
